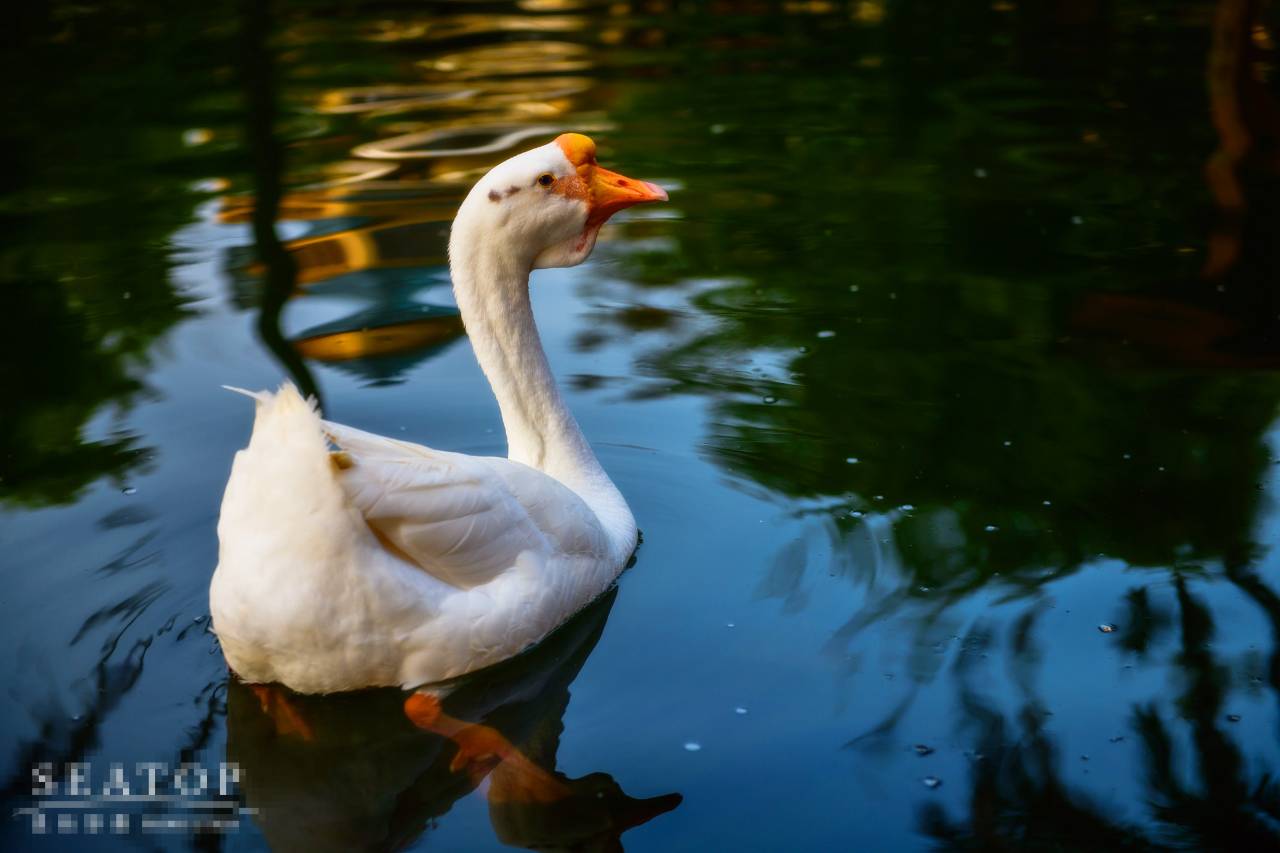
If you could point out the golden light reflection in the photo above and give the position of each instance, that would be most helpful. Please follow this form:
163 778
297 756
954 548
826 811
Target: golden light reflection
452 143
868 11
514 58
809 7
556 5
458 26
392 339
385 99
398 243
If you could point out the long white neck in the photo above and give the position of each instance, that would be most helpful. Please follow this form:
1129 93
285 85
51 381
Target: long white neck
491 285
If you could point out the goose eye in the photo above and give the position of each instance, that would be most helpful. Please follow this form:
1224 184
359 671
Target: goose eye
546 180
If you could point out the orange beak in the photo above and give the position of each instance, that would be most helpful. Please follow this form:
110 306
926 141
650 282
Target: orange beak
606 192
609 192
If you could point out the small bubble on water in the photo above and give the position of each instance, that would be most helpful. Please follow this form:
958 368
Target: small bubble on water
1128 456
1106 628
855 514
1047 503
991 528
877 497
826 333
1233 718
730 625
931 782
128 490
851 460
771 400
1008 443
692 746
923 588
853 288
979 173
923 749
1077 220
739 710
907 508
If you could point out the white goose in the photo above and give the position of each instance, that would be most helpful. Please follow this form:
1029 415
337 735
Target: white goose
389 563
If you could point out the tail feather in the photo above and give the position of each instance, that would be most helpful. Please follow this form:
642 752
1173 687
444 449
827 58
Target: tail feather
285 470
288 393
260 396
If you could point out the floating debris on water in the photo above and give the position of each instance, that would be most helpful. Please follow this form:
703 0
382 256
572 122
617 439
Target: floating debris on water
923 750
692 746
1106 628
931 782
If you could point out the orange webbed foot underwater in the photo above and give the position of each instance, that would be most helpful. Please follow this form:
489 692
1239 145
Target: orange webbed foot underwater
286 718
483 749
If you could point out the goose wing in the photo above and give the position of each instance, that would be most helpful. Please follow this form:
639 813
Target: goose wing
463 519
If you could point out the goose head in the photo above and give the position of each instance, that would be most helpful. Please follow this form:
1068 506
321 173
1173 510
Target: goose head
545 207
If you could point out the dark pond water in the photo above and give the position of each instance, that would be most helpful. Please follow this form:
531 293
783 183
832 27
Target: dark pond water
955 346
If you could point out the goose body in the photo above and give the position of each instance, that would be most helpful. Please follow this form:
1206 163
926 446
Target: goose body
389 563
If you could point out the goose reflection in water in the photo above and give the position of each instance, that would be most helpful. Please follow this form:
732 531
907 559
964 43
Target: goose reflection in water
373 770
